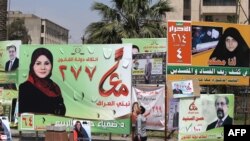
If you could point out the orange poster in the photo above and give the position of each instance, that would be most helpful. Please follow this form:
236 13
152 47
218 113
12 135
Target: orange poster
179 42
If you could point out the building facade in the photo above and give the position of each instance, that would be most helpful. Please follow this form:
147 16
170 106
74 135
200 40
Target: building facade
41 31
3 18
231 11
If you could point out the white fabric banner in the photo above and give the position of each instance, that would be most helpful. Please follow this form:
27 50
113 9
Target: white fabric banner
153 99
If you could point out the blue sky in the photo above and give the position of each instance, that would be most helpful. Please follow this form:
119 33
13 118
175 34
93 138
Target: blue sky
75 15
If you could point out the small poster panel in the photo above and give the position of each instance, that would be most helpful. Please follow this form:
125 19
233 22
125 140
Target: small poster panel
5 133
27 121
179 42
184 88
84 127
173 118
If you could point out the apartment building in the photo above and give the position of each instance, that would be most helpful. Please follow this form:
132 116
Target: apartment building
233 11
3 18
41 31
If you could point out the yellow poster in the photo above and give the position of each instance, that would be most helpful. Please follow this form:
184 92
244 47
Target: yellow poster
220 55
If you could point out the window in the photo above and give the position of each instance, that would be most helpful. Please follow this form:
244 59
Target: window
209 18
231 18
188 18
42 40
187 4
42 29
219 2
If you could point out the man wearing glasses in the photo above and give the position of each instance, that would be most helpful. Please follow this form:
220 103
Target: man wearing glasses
13 62
221 105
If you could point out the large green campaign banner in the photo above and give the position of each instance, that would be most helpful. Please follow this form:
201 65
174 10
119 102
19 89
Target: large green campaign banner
91 82
203 118
149 60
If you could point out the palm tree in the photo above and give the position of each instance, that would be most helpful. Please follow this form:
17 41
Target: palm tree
128 19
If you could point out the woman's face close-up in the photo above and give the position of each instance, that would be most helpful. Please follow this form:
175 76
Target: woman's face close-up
231 43
42 66
78 126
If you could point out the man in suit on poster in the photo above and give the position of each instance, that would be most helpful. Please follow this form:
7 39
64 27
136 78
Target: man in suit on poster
177 89
148 69
176 118
221 105
13 62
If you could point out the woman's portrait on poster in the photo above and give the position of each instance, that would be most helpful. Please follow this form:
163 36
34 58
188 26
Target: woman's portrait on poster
80 134
231 50
39 93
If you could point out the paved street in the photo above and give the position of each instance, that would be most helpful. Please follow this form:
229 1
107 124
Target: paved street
31 136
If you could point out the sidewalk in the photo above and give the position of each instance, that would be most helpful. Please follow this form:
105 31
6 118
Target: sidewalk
31 136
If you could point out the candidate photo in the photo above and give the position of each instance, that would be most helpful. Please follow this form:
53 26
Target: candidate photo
13 62
221 106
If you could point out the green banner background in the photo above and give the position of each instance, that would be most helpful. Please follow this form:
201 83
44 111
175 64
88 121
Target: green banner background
80 92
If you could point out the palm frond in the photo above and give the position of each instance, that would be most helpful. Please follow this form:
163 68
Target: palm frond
128 19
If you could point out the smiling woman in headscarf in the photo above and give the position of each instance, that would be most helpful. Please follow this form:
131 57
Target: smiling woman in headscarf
231 50
39 94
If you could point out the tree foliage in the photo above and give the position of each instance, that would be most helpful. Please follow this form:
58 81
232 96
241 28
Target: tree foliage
128 19
18 31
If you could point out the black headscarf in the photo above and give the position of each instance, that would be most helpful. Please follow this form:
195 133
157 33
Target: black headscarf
46 85
241 52
37 53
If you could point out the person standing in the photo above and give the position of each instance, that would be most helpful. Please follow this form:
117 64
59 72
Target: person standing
134 114
141 134
13 62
